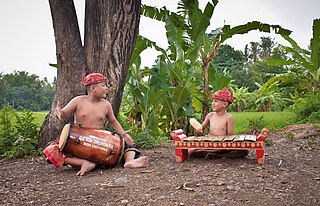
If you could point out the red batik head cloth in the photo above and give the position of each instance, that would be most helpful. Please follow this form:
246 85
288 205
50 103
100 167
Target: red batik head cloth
93 78
223 94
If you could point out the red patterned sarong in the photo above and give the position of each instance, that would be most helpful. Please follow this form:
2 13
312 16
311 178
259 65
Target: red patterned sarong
54 155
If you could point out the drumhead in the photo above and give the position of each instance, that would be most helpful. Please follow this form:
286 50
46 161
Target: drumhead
64 136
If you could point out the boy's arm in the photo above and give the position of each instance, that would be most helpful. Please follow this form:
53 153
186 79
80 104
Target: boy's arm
65 111
230 125
206 121
116 125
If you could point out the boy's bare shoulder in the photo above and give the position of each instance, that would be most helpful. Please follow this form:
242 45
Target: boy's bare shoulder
79 98
106 102
229 115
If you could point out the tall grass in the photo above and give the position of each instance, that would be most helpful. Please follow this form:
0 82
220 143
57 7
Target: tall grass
272 120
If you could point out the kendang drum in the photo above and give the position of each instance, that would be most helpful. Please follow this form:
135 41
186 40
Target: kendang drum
98 146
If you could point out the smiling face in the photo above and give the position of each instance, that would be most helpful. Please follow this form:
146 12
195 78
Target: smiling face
219 105
99 90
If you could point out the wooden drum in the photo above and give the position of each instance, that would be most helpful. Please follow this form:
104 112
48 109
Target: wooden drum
98 146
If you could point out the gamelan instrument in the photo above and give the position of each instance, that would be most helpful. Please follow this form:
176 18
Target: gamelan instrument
95 145
229 142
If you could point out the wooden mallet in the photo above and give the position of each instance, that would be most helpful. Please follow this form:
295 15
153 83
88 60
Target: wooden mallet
195 124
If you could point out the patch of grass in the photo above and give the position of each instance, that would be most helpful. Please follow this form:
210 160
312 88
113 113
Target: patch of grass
272 120
40 116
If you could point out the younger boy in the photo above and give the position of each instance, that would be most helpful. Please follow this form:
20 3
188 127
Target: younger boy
221 124
93 111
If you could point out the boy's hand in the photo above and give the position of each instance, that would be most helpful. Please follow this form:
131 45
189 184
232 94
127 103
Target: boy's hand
57 110
200 131
127 138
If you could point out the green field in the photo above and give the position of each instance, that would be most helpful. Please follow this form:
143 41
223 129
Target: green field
272 120
40 116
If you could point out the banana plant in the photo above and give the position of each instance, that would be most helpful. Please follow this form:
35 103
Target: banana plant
304 72
196 45
263 100
188 60
240 99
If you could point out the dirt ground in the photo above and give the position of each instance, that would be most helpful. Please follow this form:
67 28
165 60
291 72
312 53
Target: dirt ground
290 176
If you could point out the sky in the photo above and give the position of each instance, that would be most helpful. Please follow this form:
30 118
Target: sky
27 37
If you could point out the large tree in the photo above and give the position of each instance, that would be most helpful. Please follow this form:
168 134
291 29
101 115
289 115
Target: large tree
111 28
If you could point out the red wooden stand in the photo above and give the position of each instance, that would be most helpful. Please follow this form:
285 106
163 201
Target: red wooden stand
183 143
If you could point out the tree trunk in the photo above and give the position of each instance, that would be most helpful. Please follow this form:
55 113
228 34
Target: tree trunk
70 53
111 28
205 77
110 34
206 61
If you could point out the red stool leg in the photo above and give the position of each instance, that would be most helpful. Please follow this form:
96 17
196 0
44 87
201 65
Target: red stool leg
181 155
260 157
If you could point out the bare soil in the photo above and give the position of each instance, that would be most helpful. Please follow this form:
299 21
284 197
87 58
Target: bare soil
290 176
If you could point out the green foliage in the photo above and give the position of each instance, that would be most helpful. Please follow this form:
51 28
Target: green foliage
7 132
20 138
307 109
256 123
166 96
20 89
3 91
267 100
258 100
240 98
145 139
304 69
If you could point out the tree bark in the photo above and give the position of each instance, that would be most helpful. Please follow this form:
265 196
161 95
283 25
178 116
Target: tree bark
69 53
111 29
110 34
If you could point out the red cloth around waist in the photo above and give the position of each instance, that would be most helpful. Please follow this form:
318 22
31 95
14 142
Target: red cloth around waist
54 155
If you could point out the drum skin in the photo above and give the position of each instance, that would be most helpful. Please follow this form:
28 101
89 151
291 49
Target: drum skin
98 146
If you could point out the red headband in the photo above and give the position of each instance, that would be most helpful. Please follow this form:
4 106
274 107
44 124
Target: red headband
223 94
93 78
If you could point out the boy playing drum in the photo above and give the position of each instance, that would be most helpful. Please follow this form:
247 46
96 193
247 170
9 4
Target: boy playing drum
93 111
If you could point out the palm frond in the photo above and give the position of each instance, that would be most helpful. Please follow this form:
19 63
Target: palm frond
254 25
300 58
174 35
160 15
203 21
143 43
315 46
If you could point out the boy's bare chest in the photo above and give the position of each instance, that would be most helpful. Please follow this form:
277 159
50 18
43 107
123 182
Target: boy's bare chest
91 112
218 126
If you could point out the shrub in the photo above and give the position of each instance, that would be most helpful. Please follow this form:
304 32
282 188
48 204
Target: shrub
255 124
21 138
144 139
307 109
7 132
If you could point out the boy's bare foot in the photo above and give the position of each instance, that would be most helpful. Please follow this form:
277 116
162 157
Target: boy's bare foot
86 167
137 163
